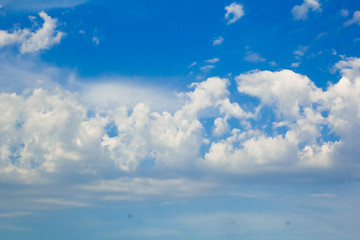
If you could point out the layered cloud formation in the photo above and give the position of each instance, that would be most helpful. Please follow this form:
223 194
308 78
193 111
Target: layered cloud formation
50 134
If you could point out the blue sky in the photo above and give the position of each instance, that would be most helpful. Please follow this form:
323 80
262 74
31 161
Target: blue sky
179 119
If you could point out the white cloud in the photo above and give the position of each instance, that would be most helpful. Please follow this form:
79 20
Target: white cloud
293 97
354 20
343 101
288 92
234 12
43 38
221 126
218 41
300 12
35 143
206 68
206 94
213 60
31 42
16 37
232 109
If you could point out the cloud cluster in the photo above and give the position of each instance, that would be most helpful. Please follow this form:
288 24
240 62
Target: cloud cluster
31 42
300 12
49 135
51 132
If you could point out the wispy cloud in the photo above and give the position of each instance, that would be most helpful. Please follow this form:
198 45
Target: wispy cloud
355 19
206 68
192 64
253 57
300 12
213 60
218 41
300 52
143 188
14 214
323 195
61 202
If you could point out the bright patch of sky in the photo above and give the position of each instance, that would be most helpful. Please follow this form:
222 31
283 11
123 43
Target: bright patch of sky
157 119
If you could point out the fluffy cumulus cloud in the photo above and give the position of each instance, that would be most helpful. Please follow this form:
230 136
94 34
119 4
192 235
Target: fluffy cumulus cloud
42 131
46 132
234 12
49 135
342 102
311 116
33 41
291 96
300 12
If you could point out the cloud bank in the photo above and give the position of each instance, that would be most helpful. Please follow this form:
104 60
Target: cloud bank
49 134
